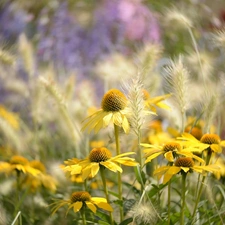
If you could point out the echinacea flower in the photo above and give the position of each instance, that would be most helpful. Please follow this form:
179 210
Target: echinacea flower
100 157
81 199
170 150
113 111
41 180
211 141
184 165
19 164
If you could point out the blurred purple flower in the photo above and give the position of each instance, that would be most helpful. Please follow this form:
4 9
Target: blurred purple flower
13 22
115 22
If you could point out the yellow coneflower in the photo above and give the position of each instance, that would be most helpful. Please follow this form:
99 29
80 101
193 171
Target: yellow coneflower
81 199
211 141
169 150
100 157
113 104
19 164
184 165
41 180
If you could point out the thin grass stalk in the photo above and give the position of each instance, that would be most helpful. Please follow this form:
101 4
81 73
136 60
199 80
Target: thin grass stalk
16 218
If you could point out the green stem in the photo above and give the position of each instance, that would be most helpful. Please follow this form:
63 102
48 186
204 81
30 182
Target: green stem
102 171
116 132
169 194
183 197
83 217
201 187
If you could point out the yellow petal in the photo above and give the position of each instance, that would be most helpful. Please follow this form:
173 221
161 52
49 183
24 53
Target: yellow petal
125 125
216 148
94 169
153 156
77 206
107 119
222 143
185 169
112 166
91 206
169 156
105 206
127 161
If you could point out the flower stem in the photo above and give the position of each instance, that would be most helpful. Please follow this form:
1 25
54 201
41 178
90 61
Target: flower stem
169 193
183 198
201 187
116 131
83 217
102 171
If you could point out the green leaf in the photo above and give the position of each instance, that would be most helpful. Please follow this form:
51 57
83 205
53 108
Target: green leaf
127 221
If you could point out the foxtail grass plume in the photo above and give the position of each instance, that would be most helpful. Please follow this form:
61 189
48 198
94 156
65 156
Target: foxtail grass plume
136 106
207 65
177 18
6 58
27 52
144 213
147 57
218 38
177 79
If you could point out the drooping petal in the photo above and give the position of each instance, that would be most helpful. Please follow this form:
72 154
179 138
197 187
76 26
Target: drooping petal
107 119
117 119
153 156
169 156
77 206
125 125
106 206
112 166
126 161
216 148
94 169
91 206
185 169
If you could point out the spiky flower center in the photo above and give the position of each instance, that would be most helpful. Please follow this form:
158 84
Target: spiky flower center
99 155
146 95
210 139
17 159
171 146
184 162
114 100
80 196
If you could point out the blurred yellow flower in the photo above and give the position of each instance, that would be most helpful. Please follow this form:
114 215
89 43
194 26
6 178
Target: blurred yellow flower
113 111
41 180
18 164
185 165
81 199
153 102
100 157
10 117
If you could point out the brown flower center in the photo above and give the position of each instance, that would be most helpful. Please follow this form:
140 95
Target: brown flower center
17 159
195 131
184 162
80 196
114 100
171 146
210 139
99 155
